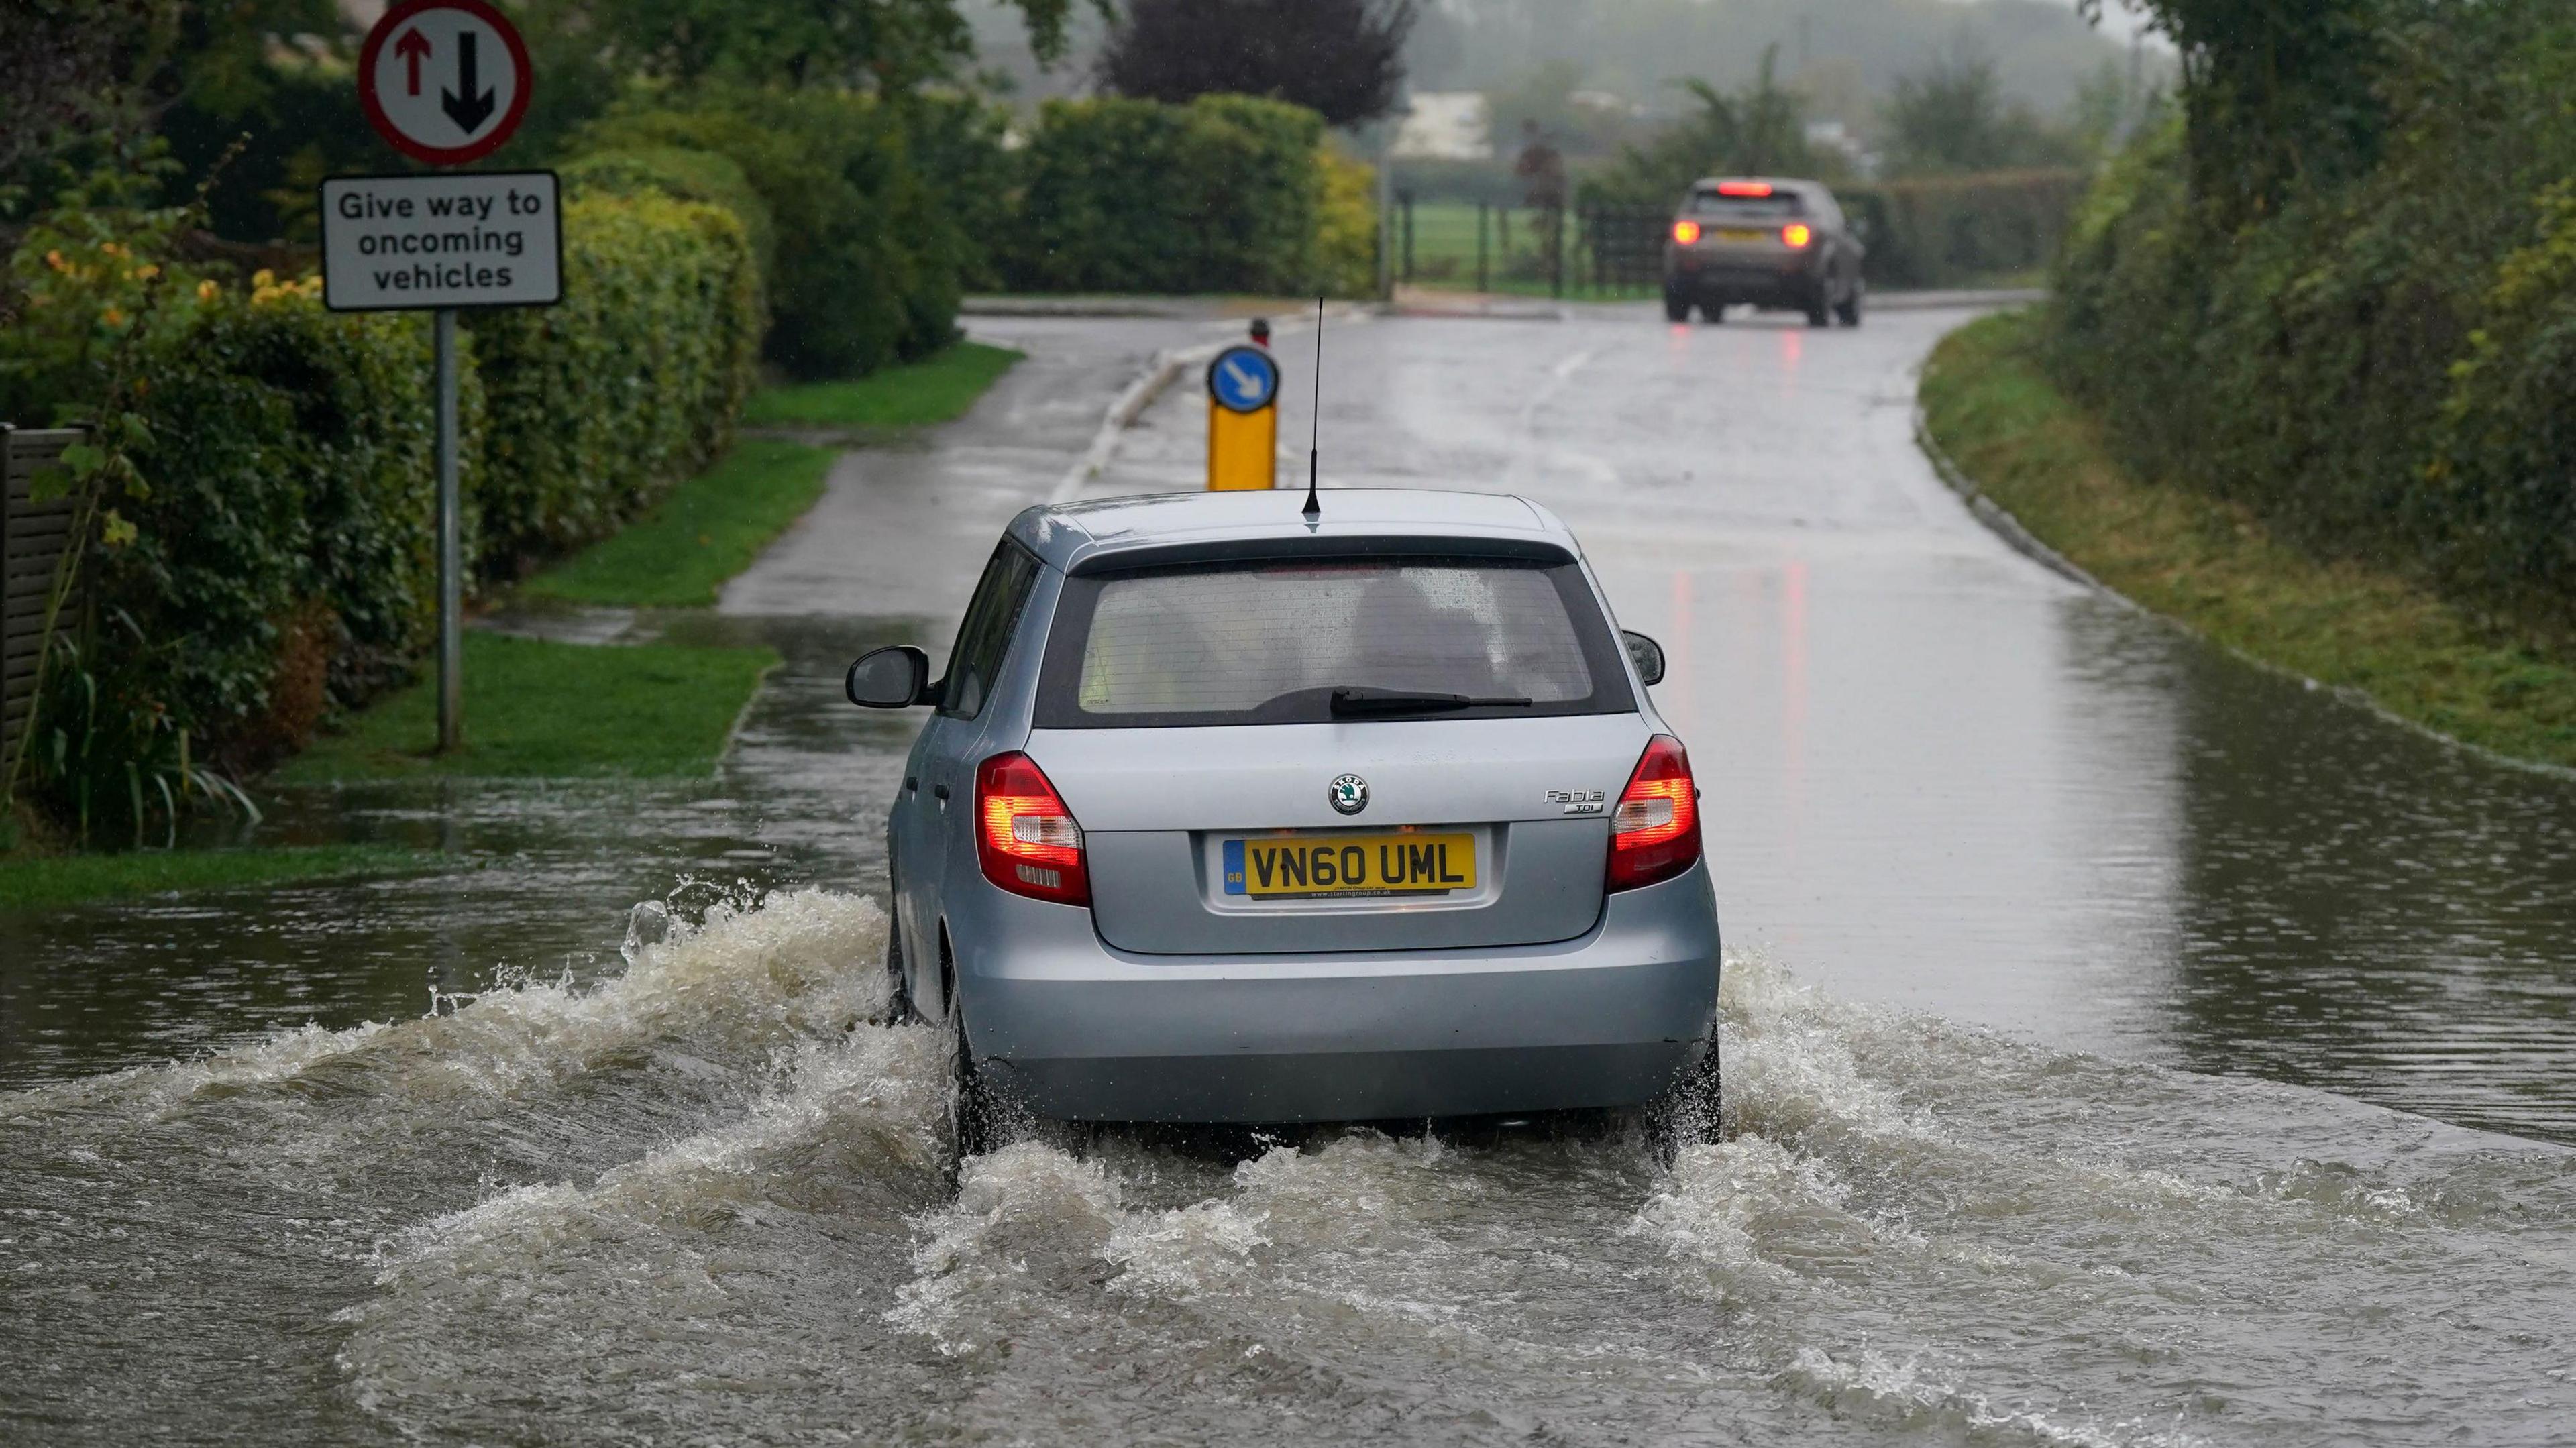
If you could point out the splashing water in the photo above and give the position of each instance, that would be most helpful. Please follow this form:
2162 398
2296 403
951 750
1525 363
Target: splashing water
707 1198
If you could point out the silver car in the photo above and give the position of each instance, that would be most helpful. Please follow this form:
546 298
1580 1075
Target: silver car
1226 814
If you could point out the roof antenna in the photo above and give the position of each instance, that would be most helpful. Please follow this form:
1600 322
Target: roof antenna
1314 509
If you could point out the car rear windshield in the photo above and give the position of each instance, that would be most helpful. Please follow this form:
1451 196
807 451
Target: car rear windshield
1269 643
1709 204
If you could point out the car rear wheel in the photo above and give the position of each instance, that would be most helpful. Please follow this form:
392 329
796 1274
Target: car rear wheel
970 1105
1849 308
1687 1113
1819 312
1676 309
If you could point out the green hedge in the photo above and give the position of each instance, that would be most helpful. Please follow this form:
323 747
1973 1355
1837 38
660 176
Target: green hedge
2381 366
682 175
868 259
1220 195
1952 230
283 558
632 383
271 557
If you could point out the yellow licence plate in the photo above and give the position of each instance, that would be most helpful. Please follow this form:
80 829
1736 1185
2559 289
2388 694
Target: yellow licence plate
1311 865
1738 233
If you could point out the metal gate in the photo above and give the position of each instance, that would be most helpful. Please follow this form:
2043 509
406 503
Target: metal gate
1593 251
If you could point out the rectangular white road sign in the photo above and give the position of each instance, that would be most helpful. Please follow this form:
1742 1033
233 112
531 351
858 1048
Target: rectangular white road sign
468 239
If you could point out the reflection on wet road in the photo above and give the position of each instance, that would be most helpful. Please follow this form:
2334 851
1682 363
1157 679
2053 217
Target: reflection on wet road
1995 853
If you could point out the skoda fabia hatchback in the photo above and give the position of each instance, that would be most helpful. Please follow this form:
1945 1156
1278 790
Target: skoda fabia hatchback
1230 813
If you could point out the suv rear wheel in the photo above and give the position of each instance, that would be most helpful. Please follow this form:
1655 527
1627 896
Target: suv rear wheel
1676 308
1849 307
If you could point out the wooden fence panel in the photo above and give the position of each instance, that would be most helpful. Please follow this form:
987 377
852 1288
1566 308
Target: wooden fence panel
32 535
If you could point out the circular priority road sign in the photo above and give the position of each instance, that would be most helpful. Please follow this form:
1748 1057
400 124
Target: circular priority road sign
444 81
1243 379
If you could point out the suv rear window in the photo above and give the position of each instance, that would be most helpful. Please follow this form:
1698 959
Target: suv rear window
1267 643
1744 208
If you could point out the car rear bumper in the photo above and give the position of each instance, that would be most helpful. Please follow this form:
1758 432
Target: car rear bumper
1079 1031
1790 282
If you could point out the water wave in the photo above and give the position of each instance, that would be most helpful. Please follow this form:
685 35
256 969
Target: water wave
746 977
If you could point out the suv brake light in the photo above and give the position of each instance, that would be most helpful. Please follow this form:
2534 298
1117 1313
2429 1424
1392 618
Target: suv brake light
1743 188
1796 234
1654 833
1686 232
1025 838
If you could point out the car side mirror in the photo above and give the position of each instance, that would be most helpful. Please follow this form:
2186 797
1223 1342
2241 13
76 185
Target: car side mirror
1647 654
895 677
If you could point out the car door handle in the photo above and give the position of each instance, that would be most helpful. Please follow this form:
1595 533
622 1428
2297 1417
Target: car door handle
912 784
941 791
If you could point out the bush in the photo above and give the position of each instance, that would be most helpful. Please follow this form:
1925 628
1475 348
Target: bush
1949 230
1346 233
868 261
2378 364
682 175
1223 194
635 381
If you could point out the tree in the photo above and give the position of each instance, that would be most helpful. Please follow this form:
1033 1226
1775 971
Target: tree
1953 118
2275 93
1343 59
1759 130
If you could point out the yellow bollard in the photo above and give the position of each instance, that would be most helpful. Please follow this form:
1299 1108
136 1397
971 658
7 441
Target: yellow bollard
1243 420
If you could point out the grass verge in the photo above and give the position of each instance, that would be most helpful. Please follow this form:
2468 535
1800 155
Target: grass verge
535 708
46 882
915 394
707 530
2212 566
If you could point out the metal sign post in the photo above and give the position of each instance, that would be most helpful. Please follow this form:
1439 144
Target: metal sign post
1243 420
444 82
451 548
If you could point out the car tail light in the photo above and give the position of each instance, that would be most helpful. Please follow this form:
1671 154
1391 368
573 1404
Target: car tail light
1743 188
1686 232
1654 834
1025 838
1796 234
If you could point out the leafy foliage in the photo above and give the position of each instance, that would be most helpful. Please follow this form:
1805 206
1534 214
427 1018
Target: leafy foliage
1219 195
259 547
1953 118
681 175
2375 362
1756 131
867 258
1342 59
633 382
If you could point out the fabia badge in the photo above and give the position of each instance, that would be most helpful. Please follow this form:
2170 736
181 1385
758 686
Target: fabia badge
1349 793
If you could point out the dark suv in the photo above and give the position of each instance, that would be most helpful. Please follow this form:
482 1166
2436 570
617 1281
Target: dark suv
1764 241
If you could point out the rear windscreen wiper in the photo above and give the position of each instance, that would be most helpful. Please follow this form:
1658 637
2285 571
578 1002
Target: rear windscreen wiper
1365 703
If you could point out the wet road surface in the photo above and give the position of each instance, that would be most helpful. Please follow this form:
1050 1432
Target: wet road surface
1996 855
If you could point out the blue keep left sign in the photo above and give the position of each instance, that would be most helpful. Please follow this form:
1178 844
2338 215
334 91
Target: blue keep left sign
1243 379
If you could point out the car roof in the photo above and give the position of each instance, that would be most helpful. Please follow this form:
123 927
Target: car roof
1191 527
1777 183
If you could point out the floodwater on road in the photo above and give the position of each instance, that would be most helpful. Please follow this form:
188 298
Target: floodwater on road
2123 1045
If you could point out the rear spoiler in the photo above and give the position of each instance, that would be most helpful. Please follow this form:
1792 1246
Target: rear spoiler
1256 548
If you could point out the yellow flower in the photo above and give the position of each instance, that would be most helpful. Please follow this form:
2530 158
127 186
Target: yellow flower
206 290
55 260
263 278
112 317
145 273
